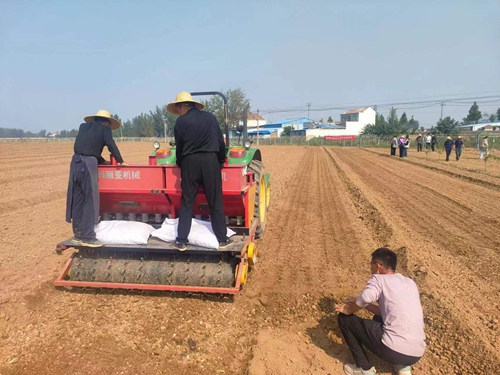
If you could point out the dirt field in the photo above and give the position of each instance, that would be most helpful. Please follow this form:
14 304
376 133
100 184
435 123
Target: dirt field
330 208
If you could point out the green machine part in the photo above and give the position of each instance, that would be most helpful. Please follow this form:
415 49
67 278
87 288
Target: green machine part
250 154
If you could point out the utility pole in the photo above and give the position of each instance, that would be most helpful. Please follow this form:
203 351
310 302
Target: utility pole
442 104
165 130
257 127
308 109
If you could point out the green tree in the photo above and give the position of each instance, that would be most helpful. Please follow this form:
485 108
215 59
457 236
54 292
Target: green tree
321 121
287 130
128 129
447 126
330 120
403 121
118 132
492 117
237 101
143 125
474 114
42 133
498 114
159 117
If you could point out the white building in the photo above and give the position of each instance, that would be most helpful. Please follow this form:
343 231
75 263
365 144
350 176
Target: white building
254 120
354 120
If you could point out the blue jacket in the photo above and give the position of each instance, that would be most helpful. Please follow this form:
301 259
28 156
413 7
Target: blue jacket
448 145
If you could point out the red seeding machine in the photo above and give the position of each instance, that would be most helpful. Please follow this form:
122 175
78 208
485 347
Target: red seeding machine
151 193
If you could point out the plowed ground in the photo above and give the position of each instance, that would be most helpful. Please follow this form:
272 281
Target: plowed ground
330 208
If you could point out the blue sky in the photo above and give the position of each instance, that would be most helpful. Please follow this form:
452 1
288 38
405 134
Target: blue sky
62 60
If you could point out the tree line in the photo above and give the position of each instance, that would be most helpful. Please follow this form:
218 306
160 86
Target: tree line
394 126
152 124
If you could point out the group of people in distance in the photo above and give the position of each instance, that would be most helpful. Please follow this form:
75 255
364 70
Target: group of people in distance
403 144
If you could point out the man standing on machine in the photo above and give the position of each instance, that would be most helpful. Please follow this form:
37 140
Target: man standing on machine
82 202
200 152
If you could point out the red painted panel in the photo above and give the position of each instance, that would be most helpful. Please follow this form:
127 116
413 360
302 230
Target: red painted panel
137 177
233 179
138 203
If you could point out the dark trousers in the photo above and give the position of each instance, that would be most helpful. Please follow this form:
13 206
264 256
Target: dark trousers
419 147
393 151
401 151
433 145
458 152
201 169
82 204
427 146
448 152
359 332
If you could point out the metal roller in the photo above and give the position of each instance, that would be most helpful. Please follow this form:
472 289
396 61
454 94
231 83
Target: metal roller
154 268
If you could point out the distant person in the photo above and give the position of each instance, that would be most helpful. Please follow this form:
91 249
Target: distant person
396 332
82 201
448 147
459 144
200 152
401 145
428 142
433 142
484 148
406 146
420 142
394 145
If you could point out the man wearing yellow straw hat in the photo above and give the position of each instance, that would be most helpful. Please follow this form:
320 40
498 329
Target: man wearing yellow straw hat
82 201
200 152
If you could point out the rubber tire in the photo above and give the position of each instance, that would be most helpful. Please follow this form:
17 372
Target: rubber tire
257 167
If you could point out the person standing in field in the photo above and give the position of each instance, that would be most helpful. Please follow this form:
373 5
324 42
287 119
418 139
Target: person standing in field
459 144
82 201
394 145
433 142
428 142
406 146
420 142
448 147
401 145
484 148
396 332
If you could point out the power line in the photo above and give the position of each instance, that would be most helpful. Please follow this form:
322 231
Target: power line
411 105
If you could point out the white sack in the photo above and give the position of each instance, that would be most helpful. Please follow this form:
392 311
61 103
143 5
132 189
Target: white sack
122 232
201 233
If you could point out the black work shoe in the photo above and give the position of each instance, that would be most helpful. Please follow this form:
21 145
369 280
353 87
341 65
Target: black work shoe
225 244
76 240
181 246
91 243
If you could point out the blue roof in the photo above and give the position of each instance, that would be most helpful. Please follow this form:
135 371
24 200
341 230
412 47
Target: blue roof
262 132
280 124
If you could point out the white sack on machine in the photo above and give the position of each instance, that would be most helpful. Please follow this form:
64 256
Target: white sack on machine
122 232
201 233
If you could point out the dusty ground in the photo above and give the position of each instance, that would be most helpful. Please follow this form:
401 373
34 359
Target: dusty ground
331 207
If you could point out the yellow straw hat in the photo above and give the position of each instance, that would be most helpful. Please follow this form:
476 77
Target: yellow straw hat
183 97
448 137
114 123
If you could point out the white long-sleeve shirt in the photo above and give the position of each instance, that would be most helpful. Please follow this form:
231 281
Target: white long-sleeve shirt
399 303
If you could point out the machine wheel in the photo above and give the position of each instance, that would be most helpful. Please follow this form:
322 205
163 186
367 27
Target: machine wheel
268 195
244 274
257 167
252 254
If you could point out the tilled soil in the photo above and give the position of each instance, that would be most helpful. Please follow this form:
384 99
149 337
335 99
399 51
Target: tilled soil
330 208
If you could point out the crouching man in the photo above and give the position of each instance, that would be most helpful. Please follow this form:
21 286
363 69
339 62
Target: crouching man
396 333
